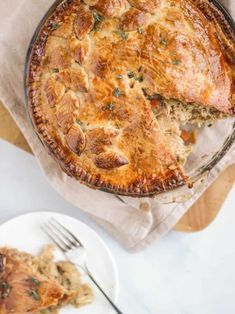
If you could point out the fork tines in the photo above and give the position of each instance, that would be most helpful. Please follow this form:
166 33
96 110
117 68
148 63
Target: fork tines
59 234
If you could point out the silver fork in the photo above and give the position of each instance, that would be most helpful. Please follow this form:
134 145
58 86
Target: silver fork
73 249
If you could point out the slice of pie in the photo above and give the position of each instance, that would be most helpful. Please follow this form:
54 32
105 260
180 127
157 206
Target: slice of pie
112 83
30 284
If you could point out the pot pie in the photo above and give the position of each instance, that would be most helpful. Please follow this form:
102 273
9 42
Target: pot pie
36 284
113 84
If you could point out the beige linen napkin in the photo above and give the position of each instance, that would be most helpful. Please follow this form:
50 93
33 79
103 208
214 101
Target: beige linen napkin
135 224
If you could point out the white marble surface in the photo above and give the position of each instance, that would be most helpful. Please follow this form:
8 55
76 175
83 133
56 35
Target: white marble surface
182 273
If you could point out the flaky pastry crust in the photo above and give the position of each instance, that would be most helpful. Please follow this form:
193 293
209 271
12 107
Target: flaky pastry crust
89 71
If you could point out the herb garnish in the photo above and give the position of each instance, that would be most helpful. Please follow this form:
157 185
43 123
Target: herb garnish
122 34
131 74
110 106
98 19
180 160
135 77
139 78
54 26
5 289
34 294
176 62
117 92
56 70
34 281
82 124
79 122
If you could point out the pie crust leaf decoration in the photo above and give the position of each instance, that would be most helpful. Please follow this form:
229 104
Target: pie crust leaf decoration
59 58
74 79
67 111
110 8
64 30
99 139
109 160
84 22
79 49
90 2
111 83
54 91
146 5
134 19
75 139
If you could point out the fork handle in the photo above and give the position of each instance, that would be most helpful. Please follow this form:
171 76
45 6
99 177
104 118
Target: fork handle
106 296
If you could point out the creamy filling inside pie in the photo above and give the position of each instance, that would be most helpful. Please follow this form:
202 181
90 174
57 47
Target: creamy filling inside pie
179 121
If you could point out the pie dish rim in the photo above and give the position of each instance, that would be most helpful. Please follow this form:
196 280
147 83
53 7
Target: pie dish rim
57 154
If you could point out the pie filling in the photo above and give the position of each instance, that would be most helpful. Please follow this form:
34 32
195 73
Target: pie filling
179 121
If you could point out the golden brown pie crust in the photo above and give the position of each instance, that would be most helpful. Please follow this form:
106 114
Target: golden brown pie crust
28 292
87 71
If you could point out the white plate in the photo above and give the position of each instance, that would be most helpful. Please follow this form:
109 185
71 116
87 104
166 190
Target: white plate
24 233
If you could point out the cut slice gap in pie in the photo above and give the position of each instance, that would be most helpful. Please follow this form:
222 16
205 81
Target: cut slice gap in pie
179 122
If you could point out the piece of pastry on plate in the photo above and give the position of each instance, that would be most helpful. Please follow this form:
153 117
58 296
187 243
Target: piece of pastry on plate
36 284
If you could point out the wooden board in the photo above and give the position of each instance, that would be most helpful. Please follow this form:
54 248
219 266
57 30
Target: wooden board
199 216
10 132
204 211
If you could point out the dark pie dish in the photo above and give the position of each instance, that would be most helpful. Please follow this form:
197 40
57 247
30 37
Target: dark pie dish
108 80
